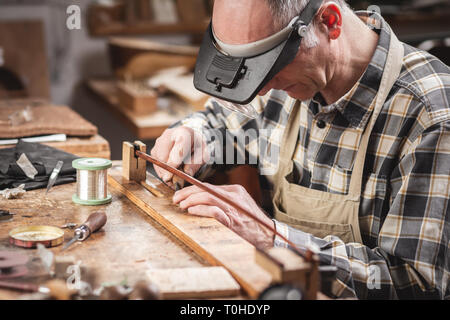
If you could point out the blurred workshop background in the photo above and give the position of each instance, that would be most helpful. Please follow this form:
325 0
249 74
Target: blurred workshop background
126 66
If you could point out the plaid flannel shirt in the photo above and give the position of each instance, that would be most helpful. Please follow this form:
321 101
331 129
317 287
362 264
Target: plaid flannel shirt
404 208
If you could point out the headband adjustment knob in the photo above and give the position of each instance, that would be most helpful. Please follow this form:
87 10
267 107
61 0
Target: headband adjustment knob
302 31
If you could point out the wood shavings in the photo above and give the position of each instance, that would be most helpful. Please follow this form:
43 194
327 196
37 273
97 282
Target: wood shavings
13 193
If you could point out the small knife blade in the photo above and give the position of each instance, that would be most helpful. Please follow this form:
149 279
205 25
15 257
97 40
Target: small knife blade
72 241
54 175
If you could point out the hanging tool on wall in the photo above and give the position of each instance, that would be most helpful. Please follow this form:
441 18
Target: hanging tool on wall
94 222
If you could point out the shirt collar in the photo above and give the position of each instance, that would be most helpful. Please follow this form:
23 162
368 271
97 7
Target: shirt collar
355 104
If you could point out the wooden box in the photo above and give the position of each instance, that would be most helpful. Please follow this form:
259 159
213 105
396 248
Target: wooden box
137 98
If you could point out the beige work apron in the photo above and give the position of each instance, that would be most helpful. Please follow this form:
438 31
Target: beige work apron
322 213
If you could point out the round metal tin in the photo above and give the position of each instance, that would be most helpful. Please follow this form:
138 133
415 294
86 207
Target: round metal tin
30 236
91 164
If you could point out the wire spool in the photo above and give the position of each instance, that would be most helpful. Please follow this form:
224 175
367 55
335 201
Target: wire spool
92 185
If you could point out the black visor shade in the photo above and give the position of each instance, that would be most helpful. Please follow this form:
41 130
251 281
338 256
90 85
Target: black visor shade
237 79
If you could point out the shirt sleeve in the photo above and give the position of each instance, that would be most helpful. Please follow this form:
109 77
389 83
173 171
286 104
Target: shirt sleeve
411 259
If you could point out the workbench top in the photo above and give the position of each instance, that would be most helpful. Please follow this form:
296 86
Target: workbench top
129 244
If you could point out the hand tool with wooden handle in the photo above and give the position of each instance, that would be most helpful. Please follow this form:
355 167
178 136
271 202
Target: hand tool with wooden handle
94 222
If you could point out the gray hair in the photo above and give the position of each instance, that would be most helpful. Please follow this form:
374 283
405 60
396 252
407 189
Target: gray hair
283 11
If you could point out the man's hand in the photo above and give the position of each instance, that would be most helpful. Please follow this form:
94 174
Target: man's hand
177 146
201 203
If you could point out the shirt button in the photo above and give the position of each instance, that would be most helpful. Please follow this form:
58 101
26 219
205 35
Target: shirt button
321 124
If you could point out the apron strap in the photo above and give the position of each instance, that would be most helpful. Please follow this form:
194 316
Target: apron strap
289 140
290 137
391 72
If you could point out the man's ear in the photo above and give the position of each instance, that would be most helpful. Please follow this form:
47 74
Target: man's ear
330 15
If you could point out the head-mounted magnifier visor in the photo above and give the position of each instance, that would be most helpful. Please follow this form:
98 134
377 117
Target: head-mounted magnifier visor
236 73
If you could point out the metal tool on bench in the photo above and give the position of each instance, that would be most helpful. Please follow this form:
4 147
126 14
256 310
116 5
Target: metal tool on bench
54 175
6 216
94 222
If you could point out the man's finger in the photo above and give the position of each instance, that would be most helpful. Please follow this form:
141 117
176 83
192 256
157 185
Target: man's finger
197 199
182 194
204 198
212 212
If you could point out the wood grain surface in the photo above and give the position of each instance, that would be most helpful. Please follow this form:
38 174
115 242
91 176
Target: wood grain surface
180 283
47 120
128 245
211 240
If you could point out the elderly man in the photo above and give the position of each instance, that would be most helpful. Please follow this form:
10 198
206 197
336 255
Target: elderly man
360 127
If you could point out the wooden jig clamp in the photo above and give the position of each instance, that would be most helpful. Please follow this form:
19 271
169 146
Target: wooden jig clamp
134 168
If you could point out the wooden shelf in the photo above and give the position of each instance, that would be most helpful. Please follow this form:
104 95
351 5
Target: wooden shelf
144 127
143 17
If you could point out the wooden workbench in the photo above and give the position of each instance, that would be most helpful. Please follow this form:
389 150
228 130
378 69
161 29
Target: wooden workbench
125 248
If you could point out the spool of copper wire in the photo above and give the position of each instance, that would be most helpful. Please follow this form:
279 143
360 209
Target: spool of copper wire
92 185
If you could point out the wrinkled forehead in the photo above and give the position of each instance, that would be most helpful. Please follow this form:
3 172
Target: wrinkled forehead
240 22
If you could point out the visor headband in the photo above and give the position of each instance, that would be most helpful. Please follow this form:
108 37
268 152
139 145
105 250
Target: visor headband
237 72
255 48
